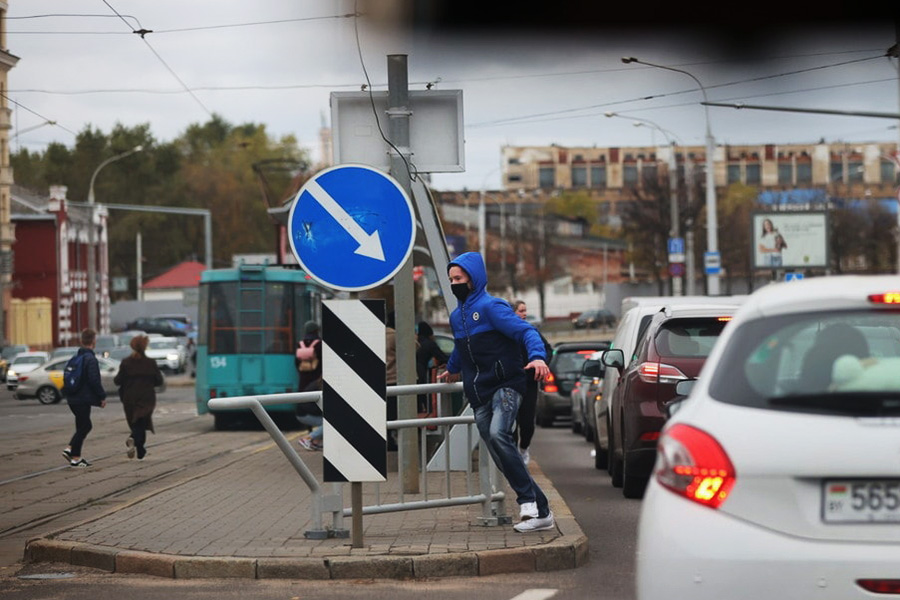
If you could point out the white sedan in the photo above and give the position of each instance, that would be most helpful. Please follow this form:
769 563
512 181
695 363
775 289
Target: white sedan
779 475
168 352
24 362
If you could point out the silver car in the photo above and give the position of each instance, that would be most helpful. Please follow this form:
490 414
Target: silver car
45 382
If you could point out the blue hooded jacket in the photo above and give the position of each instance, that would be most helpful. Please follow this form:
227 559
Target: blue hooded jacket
489 338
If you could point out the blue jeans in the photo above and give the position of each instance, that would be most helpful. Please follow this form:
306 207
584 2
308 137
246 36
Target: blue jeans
314 421
495 424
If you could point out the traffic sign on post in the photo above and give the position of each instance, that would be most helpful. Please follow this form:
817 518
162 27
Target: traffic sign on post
712 262
351 227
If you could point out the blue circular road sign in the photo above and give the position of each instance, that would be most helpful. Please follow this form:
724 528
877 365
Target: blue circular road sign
351 227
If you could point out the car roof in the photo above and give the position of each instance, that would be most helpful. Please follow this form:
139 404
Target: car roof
32 353
808 295
576 346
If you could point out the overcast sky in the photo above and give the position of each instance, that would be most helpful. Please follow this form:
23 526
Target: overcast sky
275 62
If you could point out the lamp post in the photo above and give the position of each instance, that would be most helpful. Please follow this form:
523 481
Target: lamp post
674 227
712 237
92 239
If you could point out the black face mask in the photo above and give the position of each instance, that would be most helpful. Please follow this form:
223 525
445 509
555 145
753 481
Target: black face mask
460 290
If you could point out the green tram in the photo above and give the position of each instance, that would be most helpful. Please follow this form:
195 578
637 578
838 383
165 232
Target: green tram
250 320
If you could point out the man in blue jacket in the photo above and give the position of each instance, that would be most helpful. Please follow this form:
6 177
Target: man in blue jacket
488 353
89 393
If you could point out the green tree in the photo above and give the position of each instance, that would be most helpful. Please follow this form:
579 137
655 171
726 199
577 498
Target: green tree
733 211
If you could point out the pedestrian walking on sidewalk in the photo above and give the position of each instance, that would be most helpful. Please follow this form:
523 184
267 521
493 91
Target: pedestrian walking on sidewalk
525 420
488 339
87 393
138 378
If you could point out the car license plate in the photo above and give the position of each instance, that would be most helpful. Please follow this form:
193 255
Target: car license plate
861 501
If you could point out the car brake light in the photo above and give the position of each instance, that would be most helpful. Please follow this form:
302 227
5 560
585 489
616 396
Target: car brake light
652 372
880 586
23 378
694 465
212 393
723 319
885 298
550 384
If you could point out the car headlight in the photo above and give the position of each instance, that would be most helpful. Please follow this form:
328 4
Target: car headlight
171 357
10 372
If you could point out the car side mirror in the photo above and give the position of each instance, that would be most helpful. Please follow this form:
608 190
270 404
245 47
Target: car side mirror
682 391
592 368
613 358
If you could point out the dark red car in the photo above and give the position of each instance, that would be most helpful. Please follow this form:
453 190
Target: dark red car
673 348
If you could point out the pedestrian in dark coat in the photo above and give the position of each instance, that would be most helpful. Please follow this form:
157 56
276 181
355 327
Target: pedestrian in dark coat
138 378
428 349
91 393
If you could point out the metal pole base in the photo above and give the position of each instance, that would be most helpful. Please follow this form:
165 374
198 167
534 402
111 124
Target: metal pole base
324 534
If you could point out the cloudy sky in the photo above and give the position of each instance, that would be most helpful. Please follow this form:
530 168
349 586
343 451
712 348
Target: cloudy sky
276 62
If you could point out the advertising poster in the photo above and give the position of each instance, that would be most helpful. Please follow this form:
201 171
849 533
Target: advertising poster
790 240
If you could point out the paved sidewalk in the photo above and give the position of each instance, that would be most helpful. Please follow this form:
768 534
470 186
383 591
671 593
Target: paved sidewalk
248 518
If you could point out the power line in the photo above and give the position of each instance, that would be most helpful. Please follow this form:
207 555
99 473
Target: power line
174 30
37 114
162 61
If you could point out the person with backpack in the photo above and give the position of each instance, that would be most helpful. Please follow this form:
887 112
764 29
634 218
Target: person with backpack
83 389
309 364
138 378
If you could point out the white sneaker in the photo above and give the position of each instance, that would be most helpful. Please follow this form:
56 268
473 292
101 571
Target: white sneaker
526 456
528 510
536 524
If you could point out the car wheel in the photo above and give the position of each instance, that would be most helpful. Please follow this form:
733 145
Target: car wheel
615 461
600 455
576 425
544 420
48 395
632 485
588 432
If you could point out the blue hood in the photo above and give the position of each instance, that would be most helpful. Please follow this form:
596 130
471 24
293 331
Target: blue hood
473 264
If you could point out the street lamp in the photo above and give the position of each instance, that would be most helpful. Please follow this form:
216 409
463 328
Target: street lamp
674 228
712 237
92 239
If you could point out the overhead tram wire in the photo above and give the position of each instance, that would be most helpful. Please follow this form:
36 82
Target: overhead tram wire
37 114
142 32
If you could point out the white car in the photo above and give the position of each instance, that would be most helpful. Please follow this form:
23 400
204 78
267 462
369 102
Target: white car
779 475
169 353
23 363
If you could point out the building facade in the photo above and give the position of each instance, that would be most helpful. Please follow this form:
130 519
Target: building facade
845 170
7 232
52 248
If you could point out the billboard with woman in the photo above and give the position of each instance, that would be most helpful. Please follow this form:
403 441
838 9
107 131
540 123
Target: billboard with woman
790 240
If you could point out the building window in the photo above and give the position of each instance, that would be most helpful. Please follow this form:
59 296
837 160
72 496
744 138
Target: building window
630 175
887 171
512 178
579 177
804 172
855 171
785 173
753 175
514 161
598 177
837 172
734 173
580 287
547 177
649 173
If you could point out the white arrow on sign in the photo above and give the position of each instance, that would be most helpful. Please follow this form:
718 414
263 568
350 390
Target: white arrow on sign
369 245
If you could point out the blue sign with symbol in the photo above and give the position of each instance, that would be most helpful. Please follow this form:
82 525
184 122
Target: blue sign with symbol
793 276
351 227
676 245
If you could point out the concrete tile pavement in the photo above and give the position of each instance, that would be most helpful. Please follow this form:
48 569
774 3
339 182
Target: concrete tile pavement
247 518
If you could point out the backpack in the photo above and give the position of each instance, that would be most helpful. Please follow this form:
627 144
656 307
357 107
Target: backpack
307 357
73 375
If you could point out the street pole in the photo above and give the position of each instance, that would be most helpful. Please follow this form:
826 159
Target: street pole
404 291
674 217
92 239
712 225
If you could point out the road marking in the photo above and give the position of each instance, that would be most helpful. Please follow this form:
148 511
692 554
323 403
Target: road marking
536 594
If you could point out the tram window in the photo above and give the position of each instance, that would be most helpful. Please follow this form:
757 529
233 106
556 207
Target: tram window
279 317
223 312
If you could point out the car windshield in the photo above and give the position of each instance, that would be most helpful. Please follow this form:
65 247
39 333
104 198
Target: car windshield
688 337
29 360
838 362
163 344
105 341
